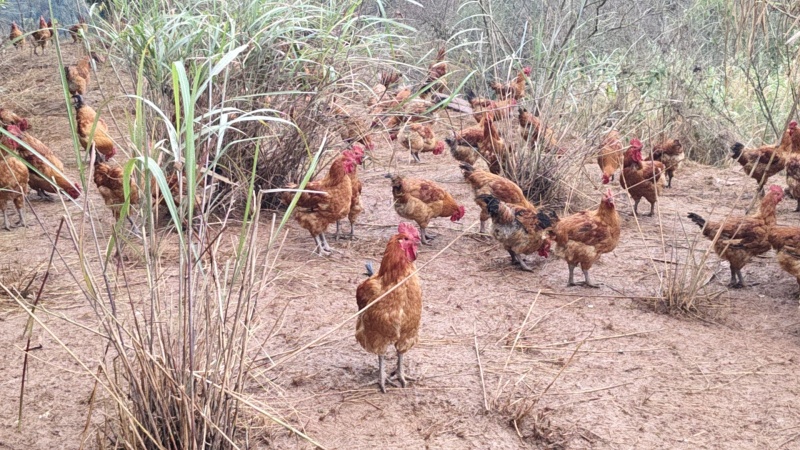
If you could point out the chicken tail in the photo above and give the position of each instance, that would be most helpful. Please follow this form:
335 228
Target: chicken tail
545 220
470 95
499 212
736 150
369 268
467 168
697 219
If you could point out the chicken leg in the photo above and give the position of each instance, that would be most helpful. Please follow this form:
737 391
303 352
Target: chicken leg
588 280
352 231
320 246
336 236
652 209
5 220
325 243
21 218
516 260
636 207
737 280
416 157
797 209
424 236
44 195
483 227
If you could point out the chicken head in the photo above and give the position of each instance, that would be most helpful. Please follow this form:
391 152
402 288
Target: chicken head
409 240
458 214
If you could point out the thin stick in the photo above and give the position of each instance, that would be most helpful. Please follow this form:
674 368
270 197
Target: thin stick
516 339
480 368
29 327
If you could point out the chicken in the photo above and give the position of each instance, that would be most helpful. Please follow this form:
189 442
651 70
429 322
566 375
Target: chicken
532 130
353 128
486 183
8 117
793 168
740 239
521 230
642 179
380 90
16 36
423 200
464 144
415 110
785 240
391 318
178 190
763 162
13 181
79 30
417 138
500 109
515 89
435 81
44 177
111 185
85 116
492 147
41 36
583 237
669 153
79 75
610 158
393 102
355 191
314 211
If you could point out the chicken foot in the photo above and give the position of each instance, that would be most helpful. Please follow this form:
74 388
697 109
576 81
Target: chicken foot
5 220
21 222
425 237
350 236
416 157
44 195
516 260
587 279
382 380
797 209
398 372
737 280
320 246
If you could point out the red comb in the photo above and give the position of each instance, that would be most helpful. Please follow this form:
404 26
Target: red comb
408 229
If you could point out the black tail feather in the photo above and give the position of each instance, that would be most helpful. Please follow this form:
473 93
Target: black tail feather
492 204
697 219
736 150
370 269
467 168
544 220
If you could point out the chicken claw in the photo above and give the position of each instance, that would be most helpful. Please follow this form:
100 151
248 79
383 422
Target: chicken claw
320 247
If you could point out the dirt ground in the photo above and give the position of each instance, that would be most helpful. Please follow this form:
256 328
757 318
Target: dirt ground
506 359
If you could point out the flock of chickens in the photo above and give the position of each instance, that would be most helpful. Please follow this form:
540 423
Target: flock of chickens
42 170
390 300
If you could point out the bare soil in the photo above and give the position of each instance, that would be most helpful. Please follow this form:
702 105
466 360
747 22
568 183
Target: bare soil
506 359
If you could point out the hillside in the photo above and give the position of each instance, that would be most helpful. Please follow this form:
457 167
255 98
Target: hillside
576 367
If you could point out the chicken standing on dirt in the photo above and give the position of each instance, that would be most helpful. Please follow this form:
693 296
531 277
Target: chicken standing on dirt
419 138
13 181
79 30
44 177
611 156
669 153
763 162
642 179
515 89
785 241
486 183
521 230
739 239
79 75
355 188
315 212
8 117
41 36
111 185
394 319
16 36
423 200
85 116
583 237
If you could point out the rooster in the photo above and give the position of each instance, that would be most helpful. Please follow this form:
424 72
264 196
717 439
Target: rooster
763 162
642 179
16 36
521 230
41 36
669 153
85 116
46 171
316 211
610 158
739 239
111 185
515 89
79 30
583 237
13 181
423 200
486 183
391 318
417 138
79 75
8 117
786 243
